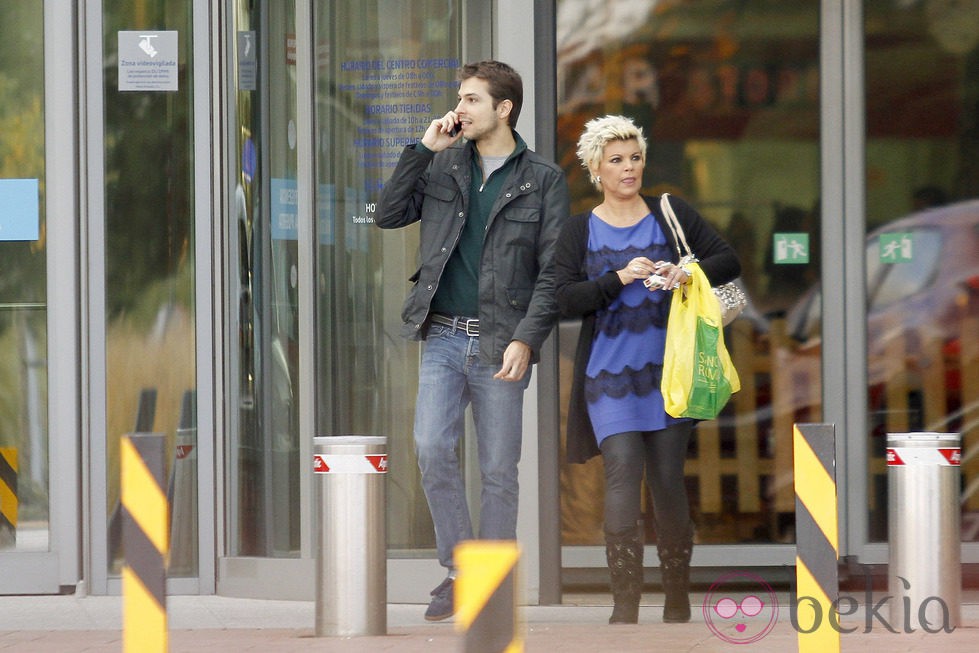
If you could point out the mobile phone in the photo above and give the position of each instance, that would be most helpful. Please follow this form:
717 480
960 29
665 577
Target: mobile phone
455 129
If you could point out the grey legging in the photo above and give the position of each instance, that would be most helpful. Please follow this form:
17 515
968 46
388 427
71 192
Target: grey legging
661 454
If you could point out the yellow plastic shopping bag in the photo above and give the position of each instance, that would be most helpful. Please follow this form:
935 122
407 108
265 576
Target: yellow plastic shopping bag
698 376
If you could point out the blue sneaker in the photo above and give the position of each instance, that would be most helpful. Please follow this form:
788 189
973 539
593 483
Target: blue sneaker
442 605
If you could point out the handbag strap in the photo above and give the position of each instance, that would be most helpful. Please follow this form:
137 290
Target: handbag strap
674 224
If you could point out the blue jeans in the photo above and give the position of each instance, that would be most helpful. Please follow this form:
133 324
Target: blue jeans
452 376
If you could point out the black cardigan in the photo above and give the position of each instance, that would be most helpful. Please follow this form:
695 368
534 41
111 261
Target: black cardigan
580 297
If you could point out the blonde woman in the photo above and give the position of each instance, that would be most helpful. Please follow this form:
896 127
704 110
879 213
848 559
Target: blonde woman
615 268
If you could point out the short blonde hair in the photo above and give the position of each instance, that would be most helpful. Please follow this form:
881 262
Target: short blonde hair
599 132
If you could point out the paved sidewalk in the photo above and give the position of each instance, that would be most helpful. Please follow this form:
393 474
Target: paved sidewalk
66 624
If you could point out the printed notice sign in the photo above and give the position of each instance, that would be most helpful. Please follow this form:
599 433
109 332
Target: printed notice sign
285 209
247 61
20 218
398 97
148 61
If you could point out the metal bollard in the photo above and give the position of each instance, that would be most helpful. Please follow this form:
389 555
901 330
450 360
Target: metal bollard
182 493
925 570
351 561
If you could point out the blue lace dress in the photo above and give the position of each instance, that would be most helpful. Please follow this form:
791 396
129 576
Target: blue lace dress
622 379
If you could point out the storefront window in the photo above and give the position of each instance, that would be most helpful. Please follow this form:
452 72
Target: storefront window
922 250
149 251
728 97
383 70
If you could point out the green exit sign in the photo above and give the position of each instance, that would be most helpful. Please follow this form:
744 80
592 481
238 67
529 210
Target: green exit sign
791 248
896 248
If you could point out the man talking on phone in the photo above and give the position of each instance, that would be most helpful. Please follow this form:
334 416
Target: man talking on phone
483 297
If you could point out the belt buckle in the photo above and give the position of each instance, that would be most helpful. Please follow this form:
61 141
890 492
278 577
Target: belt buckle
470 326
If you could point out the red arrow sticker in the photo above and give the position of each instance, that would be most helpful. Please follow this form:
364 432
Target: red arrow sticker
893 458
952 455
380 463
319 465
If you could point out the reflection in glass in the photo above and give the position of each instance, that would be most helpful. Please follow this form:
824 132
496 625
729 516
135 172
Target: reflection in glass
923 235
24 508
895 282
728 97
149 267
263 242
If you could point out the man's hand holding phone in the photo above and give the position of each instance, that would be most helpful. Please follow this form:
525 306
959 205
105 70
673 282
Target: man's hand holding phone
442 132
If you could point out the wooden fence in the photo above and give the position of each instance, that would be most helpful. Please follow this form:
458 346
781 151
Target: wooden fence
740 468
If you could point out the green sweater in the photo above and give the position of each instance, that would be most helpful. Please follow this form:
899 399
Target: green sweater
458 291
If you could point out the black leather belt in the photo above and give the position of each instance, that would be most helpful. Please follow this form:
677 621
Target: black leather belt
469 325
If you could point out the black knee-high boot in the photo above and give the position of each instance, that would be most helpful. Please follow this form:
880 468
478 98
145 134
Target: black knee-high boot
624 553
674 557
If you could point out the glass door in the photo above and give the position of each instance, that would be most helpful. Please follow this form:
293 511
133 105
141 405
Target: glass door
263 450
728 96
384 70
267 499
921 249
39 518
141 236
378 72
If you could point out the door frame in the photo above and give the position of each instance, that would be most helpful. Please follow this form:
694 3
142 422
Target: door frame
409 577
89 295
64 346
48 572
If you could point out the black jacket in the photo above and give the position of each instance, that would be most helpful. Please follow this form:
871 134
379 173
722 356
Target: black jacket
580 297
516 278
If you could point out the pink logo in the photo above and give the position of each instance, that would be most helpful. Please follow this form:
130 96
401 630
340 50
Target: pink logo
740 608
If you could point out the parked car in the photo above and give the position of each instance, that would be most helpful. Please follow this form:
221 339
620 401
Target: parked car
927 297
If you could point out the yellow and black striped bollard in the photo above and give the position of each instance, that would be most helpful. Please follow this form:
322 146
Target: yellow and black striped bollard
817 538
8 497
145 542
486 596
